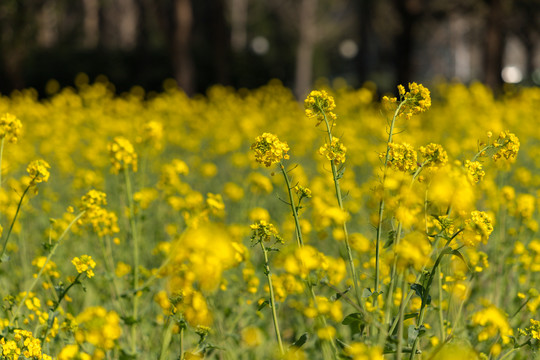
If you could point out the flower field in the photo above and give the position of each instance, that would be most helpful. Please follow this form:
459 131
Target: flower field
244 225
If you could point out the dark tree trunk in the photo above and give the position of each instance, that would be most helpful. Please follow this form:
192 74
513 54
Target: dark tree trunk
365 32
409 11
181 49
304 54
494 49
220 38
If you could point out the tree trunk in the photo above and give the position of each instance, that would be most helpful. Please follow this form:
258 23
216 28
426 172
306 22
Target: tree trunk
91 24
304 55
220 40
181 51
239 14
364 29
494 49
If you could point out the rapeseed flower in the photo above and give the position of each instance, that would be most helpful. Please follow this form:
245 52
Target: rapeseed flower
434 155
84 264
507 145
269 150
319 104
401 156
122 154
38 170
334 151
10 127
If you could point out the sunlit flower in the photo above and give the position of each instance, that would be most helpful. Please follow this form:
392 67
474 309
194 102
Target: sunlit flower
319 104
335 151
122 154
269 150
10 127
84 264
38 170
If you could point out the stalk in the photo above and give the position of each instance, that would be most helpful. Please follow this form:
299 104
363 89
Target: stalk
14 219
381 205
272 301
36 279
340 203
60 298
135 237
299 238
400 317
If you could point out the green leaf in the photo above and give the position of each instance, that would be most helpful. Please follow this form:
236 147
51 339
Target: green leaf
356 322
413 332
262 305
367 293
419 290
299 342
460 255
390 240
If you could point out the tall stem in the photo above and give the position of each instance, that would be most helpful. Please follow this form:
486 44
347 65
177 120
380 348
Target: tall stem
299 238
135 237
381 205
340 203
272 301
36 279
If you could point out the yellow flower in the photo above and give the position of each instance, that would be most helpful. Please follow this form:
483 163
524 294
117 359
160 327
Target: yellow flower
84 264
263 231
269 150
494 321
434 155
477 229
474 170
319 104
10 127
508 145
335 151
99 327
38 171
414 101
122 154
401 156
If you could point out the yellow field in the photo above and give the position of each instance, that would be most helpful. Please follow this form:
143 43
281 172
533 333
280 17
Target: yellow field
244 225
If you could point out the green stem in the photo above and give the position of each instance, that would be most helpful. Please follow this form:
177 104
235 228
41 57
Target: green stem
400 317
441 317
36 279
299 238
272 301
382 204
50 322
166 340
340 203
135 237
15 218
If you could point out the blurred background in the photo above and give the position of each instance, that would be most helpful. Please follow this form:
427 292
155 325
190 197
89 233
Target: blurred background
245 43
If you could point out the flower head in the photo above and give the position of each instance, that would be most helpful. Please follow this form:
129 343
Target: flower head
84 264
401 156
335 151
319 104
10 127
474 170
434 155
414 101
263 231
269 150
122 154
508 146
38 171
477 228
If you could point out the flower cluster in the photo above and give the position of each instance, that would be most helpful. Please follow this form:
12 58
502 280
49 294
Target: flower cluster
38 170
434 155
302 192
23 344
269 150
335 151
263 231
477 228
533 331
401 156
98 327
103 222
494 321
474 170
10 127
415 101
122 154
507 145
152 134
319 105
84 264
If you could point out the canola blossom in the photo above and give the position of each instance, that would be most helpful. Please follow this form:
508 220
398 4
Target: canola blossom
408 225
